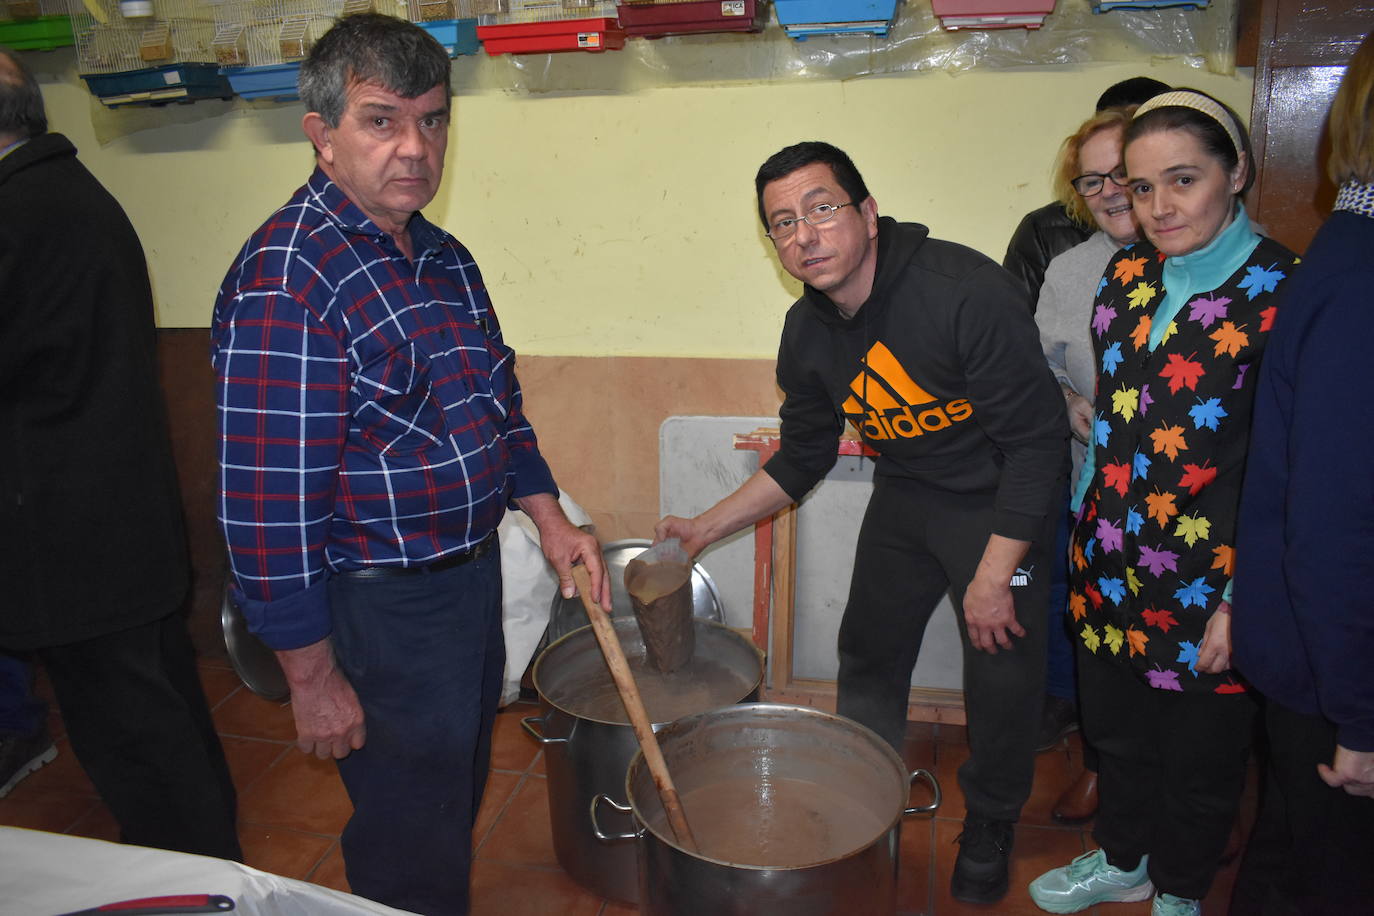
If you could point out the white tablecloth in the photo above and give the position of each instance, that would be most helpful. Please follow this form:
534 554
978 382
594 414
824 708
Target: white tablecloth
42 874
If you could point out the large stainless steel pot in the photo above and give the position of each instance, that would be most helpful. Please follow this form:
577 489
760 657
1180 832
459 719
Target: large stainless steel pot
588 741
773 749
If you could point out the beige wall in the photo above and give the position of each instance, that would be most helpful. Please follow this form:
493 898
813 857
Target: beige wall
616 224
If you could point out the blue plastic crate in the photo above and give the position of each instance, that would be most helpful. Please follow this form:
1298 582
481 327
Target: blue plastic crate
159 85
273 81
458 36
803 18
1106 6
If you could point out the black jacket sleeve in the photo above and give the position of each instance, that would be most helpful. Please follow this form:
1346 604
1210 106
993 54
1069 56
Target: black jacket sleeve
811 425
1039 238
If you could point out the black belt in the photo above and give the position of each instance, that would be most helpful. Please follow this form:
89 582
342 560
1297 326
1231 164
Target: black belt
450 561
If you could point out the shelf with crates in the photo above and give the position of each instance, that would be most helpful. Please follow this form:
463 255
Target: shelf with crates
146 53
656 18
35 25
259 44
544 26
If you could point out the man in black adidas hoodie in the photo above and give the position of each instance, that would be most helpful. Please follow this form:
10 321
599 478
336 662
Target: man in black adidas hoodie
928 348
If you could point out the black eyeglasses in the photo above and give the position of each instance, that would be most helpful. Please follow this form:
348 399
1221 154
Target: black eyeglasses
814 217
1090 184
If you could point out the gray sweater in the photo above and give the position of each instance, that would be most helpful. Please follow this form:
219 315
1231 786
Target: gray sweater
1064 315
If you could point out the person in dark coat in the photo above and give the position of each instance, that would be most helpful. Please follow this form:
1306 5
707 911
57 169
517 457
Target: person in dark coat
1304 624
91 531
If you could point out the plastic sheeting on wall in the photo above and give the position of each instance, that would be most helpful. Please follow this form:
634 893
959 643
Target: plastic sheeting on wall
1072 34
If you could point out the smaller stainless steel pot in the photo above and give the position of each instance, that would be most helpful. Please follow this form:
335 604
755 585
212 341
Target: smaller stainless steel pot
772 744
586 753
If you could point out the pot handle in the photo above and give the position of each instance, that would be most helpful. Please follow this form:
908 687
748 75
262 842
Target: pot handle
596 827
529 722
928 777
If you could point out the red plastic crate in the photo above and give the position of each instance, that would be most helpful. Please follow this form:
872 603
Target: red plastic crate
651 20
992 14
598 34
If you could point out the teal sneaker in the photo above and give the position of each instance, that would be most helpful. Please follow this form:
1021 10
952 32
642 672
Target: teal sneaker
1169 905
1089 880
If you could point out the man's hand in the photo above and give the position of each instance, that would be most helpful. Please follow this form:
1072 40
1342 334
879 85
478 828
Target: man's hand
1350 770
565 545
990 614
329 718
1214 654
1080 415
687 530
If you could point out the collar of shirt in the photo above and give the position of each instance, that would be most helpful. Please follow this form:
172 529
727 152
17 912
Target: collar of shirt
349 217
1356 197
1205 269
13 146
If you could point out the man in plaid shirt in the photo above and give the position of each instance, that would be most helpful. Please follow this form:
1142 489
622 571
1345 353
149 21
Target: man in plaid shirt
371 438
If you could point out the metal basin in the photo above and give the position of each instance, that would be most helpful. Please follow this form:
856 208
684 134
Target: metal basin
796 811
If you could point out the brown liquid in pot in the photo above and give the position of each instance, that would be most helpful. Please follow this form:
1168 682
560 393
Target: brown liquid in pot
699 685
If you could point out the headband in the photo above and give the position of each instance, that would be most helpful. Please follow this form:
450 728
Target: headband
1183 98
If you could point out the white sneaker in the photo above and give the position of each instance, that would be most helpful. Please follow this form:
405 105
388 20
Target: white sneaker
1169 905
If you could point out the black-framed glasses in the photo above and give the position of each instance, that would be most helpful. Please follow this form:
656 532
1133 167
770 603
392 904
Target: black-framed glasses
1090 184
813 217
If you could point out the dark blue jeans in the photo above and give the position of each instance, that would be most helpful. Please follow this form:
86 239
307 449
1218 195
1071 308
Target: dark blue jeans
21 713
425 654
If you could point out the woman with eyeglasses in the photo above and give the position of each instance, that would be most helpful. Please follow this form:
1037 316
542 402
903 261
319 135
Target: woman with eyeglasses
1089 180
1178 326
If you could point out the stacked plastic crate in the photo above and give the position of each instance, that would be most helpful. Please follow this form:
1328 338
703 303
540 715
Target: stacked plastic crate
34 25
147 52
992 14
1106 6
655 18
541 26
452 22
803 18
259 44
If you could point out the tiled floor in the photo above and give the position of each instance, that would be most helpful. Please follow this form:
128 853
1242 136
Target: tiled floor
292 807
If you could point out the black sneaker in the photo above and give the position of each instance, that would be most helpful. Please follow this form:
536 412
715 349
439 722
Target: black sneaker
980 872
1058 720
20 755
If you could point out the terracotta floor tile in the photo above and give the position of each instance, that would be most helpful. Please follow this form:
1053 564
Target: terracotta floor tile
500 788
1037 850
948 758
615 908
249 758
913 870
247 715
501 889
98 824
298 792
951 734
44 809
281 851
218 682
330 872
1054 772
512 748
522 835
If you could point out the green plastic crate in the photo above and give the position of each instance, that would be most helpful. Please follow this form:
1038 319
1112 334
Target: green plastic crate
41 34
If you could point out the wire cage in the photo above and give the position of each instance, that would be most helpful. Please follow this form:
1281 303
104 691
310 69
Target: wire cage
178 31
512 12
34 25
453 23
15 10
262 33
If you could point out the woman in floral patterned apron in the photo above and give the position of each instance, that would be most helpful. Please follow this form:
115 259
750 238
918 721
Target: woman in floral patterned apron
1178 327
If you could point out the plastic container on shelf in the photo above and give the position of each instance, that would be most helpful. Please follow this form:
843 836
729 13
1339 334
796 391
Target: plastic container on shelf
1106 6
453 23
543 26
35 25
992 14
683 17
803 18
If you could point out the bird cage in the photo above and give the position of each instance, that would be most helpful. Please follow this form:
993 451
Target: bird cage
146 52
260 43
801 19
541 26
34 25
992 14
453 23
655 18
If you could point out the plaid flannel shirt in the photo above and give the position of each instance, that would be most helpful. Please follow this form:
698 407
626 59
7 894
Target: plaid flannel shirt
369 413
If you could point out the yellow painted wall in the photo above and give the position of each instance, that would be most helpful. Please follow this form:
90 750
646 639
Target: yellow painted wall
618 224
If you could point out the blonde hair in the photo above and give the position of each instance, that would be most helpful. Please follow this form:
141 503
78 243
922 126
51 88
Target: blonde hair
1067 166
1352 120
